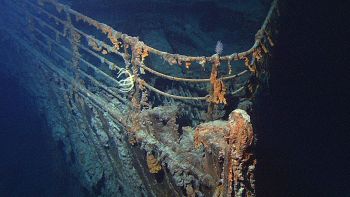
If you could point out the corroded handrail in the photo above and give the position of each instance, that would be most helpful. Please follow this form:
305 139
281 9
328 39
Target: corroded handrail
140 51
234 56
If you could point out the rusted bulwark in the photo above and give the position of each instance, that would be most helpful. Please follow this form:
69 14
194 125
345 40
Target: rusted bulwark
229 153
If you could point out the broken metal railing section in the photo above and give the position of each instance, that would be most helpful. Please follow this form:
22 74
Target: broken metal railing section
140 51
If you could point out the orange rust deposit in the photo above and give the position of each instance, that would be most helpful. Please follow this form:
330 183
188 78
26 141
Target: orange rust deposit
233 138
144 54
219 89
153 164
257 54
188 64
251 67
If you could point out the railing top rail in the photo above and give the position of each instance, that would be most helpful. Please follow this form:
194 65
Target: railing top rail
262 32
140 50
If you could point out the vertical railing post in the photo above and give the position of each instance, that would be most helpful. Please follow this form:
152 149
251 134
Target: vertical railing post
135 63
75 39
217 87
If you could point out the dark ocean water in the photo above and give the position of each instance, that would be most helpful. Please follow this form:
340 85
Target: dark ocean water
303 121
304 138
30 164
